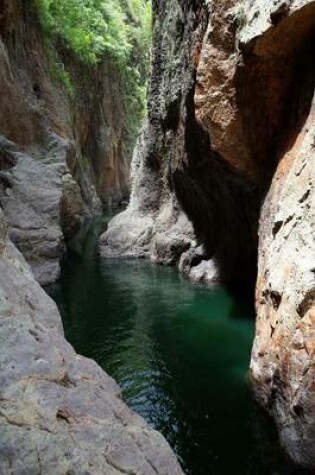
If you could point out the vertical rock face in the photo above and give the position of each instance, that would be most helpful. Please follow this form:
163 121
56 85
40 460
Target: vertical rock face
174 163
154 224
283 358
283 355
61 154
230 141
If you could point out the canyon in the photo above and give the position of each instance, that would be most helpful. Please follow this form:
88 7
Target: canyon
62 155
229 141
222 186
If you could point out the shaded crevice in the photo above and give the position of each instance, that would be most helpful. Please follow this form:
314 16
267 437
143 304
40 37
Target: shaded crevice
307 303
274 95
275 86
222 205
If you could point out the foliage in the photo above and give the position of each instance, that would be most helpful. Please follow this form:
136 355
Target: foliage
88 27
59 73
92 29
136 71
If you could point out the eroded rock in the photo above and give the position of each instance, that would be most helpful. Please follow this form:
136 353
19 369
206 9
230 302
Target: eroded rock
59 412
283 359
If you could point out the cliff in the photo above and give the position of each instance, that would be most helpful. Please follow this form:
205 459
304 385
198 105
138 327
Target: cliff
223 177
63 142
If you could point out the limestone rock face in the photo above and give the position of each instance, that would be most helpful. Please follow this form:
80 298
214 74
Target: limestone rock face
154 224
59 412
230 141
30 195
283 358
175 168
61 154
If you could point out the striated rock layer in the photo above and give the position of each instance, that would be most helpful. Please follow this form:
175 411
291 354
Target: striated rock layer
59 412
230 141
62 148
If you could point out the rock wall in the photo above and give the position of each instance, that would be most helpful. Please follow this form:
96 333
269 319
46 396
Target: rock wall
230 141
174 162
154 224
62 149
283 361
59 412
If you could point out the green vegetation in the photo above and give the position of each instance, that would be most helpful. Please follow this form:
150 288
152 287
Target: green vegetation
59 73
88 27
94 29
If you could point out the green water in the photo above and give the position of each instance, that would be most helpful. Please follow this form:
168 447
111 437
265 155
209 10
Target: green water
180 353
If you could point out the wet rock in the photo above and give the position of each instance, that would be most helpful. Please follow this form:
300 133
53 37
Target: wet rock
195 265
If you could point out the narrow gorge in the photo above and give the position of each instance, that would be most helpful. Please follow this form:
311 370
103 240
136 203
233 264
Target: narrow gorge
220 186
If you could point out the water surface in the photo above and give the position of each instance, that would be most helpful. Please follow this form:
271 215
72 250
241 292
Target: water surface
180 353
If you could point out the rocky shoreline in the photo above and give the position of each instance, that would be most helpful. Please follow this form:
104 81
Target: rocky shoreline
60 412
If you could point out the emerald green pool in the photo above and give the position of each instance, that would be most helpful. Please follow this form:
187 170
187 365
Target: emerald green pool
180 353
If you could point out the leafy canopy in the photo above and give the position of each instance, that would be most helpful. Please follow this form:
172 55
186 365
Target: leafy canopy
92 27
97 29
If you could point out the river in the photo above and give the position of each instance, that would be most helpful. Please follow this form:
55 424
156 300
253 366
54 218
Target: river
180 353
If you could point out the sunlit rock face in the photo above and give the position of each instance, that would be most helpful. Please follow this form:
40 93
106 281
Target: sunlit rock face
283 355
230 141
60 157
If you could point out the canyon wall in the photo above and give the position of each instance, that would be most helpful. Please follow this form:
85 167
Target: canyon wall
174 163
62 153
63 143
223 177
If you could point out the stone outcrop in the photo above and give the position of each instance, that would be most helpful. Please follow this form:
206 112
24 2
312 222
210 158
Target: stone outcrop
230 141
63 147
59 412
